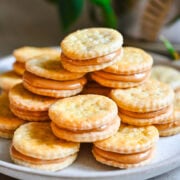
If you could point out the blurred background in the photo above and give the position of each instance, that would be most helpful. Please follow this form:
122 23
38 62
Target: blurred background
46 22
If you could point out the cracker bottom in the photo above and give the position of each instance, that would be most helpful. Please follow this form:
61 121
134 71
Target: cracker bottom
86 136
114 163
52 92
50 165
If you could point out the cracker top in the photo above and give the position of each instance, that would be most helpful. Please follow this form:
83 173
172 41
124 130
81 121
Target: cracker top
7 118
167 75
91 43
130 139
36 140
25 53
47 67
83 112
151 96
21 97
133 60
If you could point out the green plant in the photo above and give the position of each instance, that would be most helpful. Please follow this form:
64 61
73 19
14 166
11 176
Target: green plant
70 10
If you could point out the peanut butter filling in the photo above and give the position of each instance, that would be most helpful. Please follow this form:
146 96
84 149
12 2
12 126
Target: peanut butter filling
14 106
93 61
146 114
44 83
101 128
28 112
17 155
125 78
124 158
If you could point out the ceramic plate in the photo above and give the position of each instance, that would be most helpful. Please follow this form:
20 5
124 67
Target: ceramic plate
167 158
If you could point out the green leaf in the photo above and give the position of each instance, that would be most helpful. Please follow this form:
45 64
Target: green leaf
110 18
170 48
69 11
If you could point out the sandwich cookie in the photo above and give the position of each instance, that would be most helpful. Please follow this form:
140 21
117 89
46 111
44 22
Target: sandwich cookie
130 147
172 128
84 118
8 121
23 54
91 49
150 103
131 70
35 146
29 106
46 76
8 80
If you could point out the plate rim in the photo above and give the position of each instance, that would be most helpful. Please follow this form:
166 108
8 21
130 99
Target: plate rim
173 160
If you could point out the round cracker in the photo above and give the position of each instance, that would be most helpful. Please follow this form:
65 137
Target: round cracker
83 112
167 75
25 53
134 60
36 140
169 132
19 68
91 43
49 68
9 79
7 119
150 96
130 139
20 97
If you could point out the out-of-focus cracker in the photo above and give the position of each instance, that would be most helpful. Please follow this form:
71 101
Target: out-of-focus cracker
167 75
9 79
19 68
25 53
7 119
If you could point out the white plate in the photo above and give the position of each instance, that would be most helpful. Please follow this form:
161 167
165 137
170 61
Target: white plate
167 158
